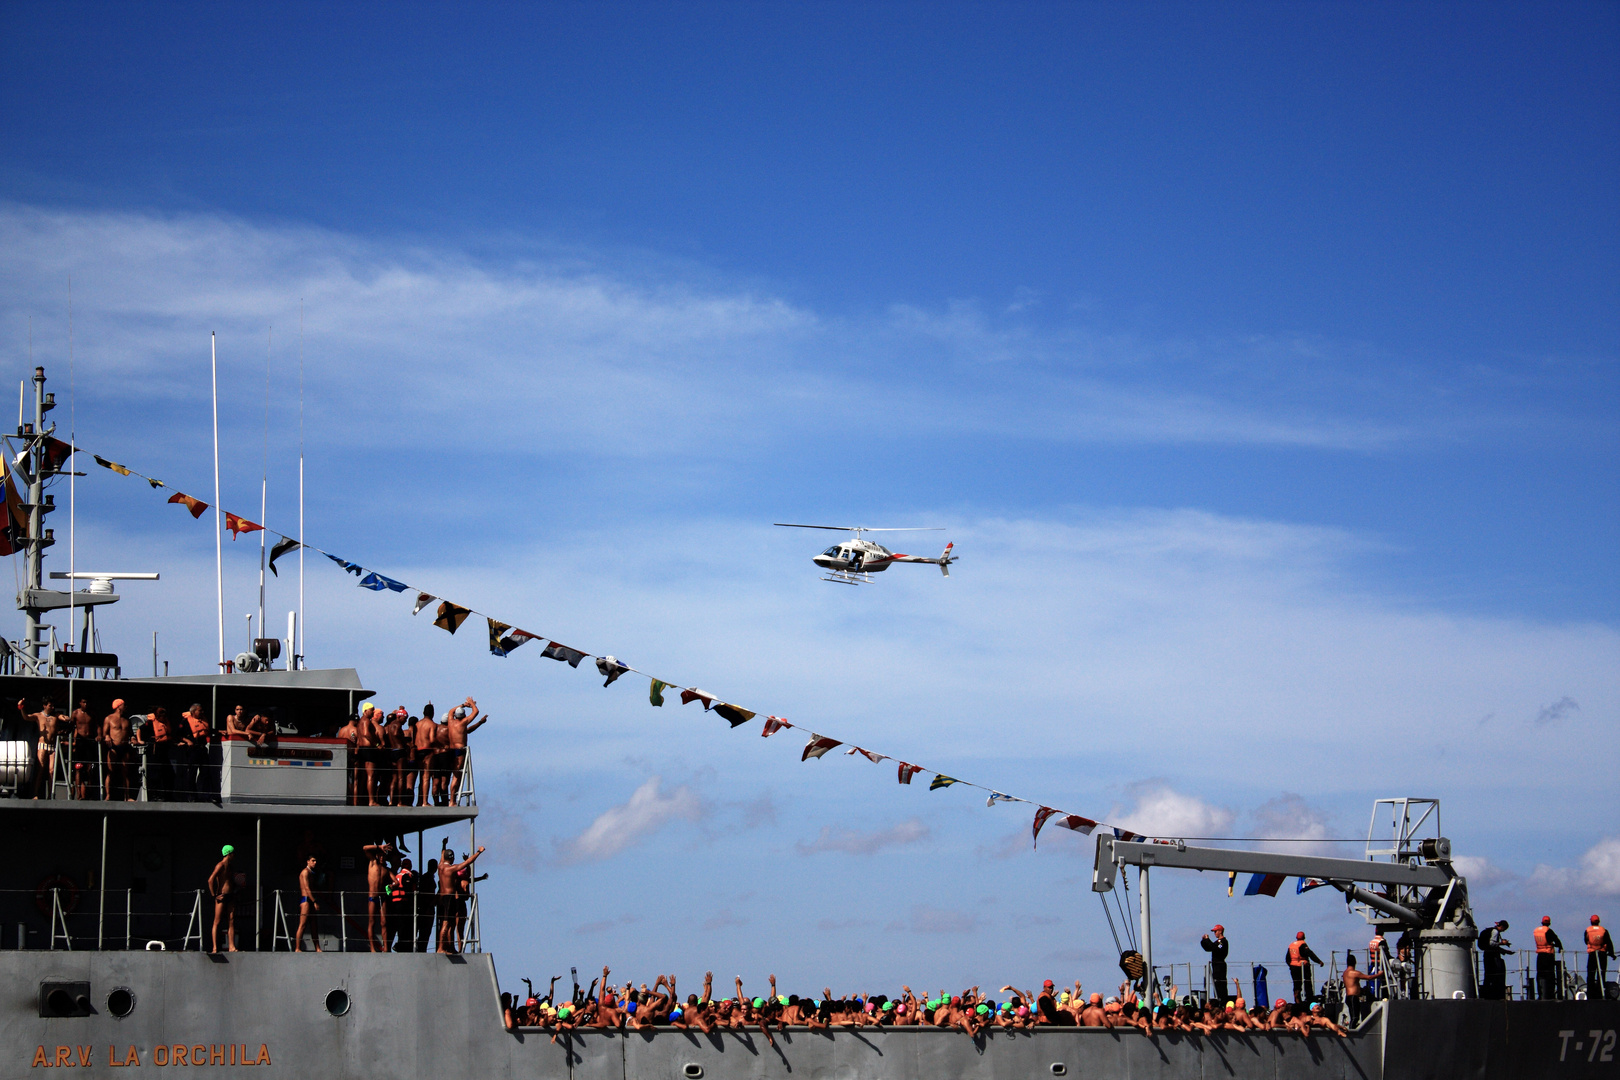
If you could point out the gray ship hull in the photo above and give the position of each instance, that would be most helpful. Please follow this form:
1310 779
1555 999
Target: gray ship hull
427 1015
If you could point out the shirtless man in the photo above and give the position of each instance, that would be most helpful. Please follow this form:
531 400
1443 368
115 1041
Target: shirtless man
236 723
120 778
425 735
260 730
46 725
367 743
448 872
222 887
157 735
463 721
349 732
409 763
379 872
307 907
393 755
1355 995
83 749
1093 1015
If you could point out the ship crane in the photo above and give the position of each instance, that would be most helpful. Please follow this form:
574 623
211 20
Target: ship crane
1423 893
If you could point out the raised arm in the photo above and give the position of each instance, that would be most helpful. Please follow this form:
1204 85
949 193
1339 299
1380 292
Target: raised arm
708 986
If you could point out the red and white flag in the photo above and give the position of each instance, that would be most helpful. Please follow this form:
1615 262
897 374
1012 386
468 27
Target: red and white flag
773 724
1081 825
1040 819
868 755
694 694
818 745
908 771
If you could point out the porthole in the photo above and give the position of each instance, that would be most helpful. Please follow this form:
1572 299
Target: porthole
692 1070
1059 1069
337 1002
121 1002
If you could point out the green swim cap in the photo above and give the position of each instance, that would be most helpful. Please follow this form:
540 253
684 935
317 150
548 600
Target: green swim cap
226 850
781 999
888 1006
982 1009
759 1003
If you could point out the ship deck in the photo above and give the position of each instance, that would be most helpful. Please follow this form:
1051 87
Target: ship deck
362 1015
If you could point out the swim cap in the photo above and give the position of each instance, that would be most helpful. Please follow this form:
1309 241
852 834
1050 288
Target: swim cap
1023 1010
759 1003
676 1015
226 850
781 999
888 1006
982 1009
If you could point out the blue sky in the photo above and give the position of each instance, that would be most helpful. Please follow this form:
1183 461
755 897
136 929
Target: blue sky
1260 360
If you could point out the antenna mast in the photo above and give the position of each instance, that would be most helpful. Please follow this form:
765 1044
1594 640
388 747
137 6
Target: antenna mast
31 463
219 548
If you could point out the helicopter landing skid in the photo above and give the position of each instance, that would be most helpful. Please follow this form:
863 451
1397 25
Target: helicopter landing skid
848 577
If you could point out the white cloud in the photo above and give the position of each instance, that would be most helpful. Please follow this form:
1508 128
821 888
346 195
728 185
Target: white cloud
1159 810
1598 874
621 359
856 842
648 810
1290 817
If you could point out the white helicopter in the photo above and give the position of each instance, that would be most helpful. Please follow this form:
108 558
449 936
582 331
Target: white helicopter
852 562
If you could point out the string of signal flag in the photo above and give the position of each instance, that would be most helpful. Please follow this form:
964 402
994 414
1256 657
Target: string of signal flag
504 638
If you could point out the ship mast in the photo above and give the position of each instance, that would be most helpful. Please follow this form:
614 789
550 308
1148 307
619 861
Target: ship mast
38 538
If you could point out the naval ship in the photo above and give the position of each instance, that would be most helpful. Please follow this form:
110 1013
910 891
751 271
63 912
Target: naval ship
105 921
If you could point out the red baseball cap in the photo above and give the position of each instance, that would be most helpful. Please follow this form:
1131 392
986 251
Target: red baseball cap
1594 920
1216 927
1300 936
1546 920
1048 982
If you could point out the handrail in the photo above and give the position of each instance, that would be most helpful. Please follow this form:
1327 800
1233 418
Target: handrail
183 775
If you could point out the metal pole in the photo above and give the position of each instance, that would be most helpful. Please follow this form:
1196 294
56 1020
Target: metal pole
1147 936
258 883
219 547
101 918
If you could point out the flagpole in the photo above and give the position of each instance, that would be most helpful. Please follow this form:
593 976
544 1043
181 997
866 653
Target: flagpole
219 547
264 481
298 652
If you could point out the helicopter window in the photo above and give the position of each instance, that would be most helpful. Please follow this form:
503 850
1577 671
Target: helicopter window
831 551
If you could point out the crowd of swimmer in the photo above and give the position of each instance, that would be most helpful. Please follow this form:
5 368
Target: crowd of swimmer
395 759
970 1012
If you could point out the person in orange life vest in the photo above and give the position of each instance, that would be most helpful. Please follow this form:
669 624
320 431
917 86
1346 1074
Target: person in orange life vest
1599 950
1547 947
1300 958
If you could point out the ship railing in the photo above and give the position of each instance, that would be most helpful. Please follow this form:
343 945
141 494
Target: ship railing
176 773
1569 976
107 921
1399 981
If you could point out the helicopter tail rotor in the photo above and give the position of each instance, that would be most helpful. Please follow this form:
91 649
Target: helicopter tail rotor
946 558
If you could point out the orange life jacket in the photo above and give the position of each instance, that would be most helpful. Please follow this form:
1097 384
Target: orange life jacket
1294 950
1541 940
1595 937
